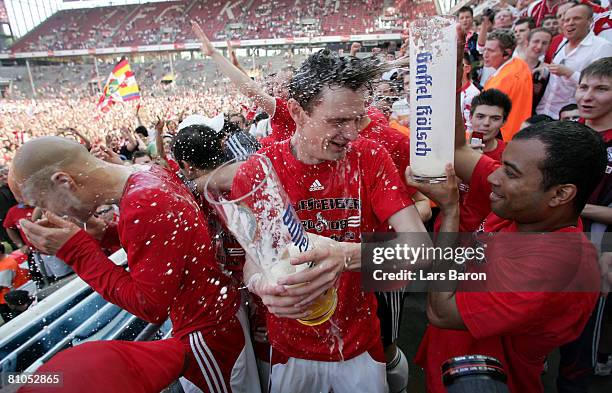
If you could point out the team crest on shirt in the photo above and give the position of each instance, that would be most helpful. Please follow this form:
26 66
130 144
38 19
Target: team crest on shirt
609 150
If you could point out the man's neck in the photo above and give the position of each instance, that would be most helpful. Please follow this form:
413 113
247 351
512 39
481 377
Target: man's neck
573 44
490 145
109 183
298 152
601 124
550 224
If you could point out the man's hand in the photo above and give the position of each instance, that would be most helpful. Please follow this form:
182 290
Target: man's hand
276 298
560 70
49 234
329 258
207 47
445 195
105 154
355 47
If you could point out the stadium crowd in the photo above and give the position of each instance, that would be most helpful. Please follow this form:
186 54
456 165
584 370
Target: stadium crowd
532 154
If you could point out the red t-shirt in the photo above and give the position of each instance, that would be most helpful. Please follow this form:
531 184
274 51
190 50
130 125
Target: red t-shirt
173 271
349 197
282 124
518 328
471 211
16 213
396 143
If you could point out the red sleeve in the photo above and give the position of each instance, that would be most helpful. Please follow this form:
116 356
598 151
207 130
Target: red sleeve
477 200
10 219
111 240
282 123
388 193
143 293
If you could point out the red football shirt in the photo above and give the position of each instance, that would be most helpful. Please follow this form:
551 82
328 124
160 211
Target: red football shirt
518 328
340 200
16 213
282 124
396 143
173 271
473 208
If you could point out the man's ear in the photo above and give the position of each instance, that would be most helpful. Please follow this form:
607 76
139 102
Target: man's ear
564 194
297 112
62 179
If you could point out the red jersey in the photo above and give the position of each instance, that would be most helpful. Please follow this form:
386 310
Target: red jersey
340 200
173 271
14 215
518 328
282 124
472 212
396 143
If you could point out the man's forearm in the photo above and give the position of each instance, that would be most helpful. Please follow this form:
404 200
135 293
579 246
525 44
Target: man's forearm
602 214
244 83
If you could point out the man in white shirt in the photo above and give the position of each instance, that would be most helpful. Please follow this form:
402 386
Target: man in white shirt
579 48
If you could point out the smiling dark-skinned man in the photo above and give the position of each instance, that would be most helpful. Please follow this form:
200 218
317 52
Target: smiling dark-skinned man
546 175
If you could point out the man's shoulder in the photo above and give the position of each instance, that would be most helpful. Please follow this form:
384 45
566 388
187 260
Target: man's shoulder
156 184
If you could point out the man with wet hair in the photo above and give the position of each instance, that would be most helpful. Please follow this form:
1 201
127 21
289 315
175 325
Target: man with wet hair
325 161
173 272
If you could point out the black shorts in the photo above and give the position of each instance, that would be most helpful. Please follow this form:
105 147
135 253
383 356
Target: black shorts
390 310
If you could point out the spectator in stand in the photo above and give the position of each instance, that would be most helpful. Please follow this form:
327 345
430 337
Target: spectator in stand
551 23
17 301
536 119
569 113
521 30
172 274
512 76
503 19
580 358
239 120
540 9
539 40
142 158
468 91
466 22
579 48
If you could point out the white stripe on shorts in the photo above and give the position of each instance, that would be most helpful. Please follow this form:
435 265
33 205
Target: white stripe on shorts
213 361
197 356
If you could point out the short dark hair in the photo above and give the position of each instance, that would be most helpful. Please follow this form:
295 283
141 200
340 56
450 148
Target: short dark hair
537 119
567 108
506 39
601 68
531 23
237 114
493 97
142 130
588 7
327 69
575 154
538 30
140 153
548 17
18 297
465 8
200 146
